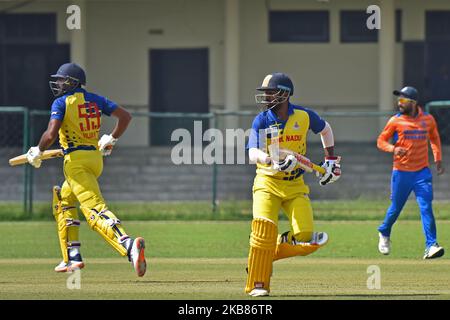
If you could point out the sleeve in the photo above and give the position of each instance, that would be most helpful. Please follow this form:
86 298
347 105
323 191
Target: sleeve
435 141
107 106
254 139
58 109
316 123
387 133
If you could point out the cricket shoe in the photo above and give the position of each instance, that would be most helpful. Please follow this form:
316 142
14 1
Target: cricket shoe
318 238
384 244
434 251
137 257
68 267
259 292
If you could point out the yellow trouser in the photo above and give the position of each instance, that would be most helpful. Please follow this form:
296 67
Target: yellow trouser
81 170
270 195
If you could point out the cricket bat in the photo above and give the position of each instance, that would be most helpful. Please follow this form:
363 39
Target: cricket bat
304 161
279 154
47 154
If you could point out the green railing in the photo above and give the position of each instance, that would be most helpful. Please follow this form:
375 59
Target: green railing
29 132
25 145
437 105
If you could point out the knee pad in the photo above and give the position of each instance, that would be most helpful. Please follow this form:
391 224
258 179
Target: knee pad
262 248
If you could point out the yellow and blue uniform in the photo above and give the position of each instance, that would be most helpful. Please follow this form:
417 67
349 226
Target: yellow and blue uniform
275 190
80 112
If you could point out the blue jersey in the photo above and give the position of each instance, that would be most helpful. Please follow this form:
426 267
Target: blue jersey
292 133
80 112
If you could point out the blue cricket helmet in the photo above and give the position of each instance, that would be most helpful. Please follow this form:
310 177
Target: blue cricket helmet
73 76
282 88
277 81
407 92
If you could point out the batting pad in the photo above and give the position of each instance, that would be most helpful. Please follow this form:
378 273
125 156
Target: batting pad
286 248
108 226
60 222
263 240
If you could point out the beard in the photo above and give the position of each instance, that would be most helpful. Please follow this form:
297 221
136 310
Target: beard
406 109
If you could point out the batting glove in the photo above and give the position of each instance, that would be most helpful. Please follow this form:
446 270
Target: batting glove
332 170
34 157
106 144
287 165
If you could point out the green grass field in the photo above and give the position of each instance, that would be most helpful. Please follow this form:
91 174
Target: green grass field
206 260
360 209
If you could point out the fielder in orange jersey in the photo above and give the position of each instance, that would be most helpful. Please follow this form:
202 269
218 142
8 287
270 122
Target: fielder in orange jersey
411 130
76 118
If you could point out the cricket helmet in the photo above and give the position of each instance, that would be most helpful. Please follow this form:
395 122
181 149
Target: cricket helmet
73 76
407 92
280 86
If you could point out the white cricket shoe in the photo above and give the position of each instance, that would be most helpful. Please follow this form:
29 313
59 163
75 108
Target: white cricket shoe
137 256
62 267
435 251
259 292
67 267
318 238
384 245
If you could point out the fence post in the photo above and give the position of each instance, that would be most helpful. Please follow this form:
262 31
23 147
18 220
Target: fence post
214 175
31 170
26 145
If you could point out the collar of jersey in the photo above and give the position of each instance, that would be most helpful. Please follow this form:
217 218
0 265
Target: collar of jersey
419 114
273 116
75 90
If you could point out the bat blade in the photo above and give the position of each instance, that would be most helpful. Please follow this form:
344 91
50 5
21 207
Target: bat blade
307 164
47 154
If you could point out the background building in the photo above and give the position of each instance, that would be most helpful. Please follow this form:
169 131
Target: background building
203 55
209 55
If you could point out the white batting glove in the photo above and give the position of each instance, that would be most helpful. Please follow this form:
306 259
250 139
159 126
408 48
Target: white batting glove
333 171
34 157
106 144
287 165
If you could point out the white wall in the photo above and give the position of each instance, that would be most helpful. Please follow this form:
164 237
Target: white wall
328 76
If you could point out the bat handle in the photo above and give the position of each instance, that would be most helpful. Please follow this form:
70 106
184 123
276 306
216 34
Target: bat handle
318 168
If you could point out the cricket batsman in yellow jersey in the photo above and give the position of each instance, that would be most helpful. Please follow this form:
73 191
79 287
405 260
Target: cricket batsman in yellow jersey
279 182
76 117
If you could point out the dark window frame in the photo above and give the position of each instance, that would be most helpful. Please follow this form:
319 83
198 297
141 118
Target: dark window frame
369 36
430 30
27 34
274 24
398 25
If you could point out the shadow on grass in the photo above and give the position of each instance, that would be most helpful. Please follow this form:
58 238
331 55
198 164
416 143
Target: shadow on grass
185 281
357 295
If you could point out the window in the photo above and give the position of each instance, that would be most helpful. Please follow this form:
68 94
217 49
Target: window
354 27
37 28
299 26
438 25
398 25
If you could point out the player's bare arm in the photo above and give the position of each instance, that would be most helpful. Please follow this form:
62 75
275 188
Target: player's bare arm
331 164
123 120
107 141
50 135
